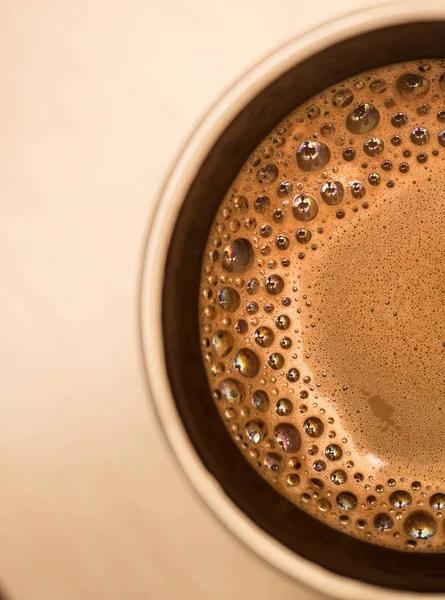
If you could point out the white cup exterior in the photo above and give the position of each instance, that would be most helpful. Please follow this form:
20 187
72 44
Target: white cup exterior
168 206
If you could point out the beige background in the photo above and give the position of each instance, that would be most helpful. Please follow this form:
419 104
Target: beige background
97 97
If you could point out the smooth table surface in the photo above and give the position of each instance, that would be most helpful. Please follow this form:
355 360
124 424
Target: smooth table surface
97 98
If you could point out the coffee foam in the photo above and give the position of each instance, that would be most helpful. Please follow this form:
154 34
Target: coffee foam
322 307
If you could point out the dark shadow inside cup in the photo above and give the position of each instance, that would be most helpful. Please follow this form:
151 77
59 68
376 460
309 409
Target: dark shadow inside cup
295 529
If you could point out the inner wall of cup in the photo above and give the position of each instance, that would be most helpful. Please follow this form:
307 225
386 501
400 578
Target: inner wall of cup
295 529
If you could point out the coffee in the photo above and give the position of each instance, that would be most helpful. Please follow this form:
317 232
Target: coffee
323 307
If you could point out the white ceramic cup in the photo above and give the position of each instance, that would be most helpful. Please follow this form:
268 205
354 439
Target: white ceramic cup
170 202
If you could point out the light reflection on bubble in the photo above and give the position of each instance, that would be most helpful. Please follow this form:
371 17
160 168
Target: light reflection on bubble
263 336
363 118
222 343
229 299
256 430
282 322
260 400
246 363
420 136
412 86
283 407
237 256
383 522
324 505
260 205
342 98
378 86
374 146
437 501
276 361
358 190
319 465
282 242
293 374
240 204
332 192
287 437
273 462
293 479
313 427
312 156
285 188
339 477
399 120
333 452
400 499
420 525
304 207
253 285
232 391
274 285
346 500
267 174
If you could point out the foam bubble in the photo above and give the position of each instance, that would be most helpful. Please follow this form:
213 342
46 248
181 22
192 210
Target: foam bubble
363 118
287 437
246 363
304 207
312 155
237 256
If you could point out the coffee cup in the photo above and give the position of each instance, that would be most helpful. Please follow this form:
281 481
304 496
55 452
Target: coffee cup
271 526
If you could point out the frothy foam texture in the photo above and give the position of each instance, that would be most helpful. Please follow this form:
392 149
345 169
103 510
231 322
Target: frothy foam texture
323 307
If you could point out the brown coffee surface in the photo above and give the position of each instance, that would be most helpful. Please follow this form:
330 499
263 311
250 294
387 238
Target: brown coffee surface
323 307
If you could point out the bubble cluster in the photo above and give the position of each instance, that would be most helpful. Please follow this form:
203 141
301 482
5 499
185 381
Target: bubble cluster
322 307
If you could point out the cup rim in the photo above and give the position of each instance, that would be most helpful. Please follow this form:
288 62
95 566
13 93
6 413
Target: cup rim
169 203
